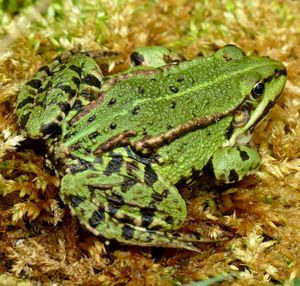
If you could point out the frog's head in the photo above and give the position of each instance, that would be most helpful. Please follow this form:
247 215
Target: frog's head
261 84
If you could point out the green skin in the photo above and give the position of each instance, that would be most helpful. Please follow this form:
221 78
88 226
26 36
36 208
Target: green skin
122 143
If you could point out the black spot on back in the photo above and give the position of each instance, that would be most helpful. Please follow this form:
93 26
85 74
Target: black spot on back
112 101
27 100
127 232
75 200
97 217
114 165
35 83
150 177
180 79
113 125
135 110
233 176
173 89
140 90
92 80
92 118
94 134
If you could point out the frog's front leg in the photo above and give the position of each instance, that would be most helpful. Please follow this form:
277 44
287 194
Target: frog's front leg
121 198
231 164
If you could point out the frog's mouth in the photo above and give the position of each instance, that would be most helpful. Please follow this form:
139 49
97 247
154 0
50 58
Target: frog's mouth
252 112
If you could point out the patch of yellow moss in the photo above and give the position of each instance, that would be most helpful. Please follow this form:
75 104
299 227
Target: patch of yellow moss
40 241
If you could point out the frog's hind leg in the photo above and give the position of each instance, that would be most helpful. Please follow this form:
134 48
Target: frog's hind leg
124 199
62 87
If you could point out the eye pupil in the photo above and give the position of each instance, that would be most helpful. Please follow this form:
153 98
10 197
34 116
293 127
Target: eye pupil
258 90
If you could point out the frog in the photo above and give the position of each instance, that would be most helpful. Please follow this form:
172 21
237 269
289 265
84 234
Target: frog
122 143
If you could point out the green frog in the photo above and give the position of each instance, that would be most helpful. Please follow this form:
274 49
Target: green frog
121 143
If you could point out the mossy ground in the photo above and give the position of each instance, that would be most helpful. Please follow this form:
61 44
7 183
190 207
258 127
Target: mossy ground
41 242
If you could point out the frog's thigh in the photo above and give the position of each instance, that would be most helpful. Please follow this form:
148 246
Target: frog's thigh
231 164
126 200
57 88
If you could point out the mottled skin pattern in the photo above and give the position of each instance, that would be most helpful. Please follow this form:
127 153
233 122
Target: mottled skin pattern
122 143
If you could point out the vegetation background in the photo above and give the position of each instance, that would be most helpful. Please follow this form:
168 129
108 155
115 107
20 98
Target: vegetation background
41 244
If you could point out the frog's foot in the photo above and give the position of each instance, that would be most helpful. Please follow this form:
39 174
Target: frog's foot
121 198
154 56
231 164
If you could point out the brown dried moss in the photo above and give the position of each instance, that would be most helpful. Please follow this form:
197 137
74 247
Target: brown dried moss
40 241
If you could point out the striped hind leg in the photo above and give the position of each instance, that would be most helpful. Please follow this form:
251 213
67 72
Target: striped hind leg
123 199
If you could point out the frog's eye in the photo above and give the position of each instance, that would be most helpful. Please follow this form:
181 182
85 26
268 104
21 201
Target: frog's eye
241 117
257 90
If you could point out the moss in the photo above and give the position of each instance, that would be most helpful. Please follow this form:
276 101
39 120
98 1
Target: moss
40 241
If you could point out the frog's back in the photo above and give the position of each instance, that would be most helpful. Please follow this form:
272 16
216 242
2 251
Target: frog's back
154 101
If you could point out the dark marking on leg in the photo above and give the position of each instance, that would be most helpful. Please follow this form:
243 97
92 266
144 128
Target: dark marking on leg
76 69
147 214
157 197
114 165
112 209
51 128
47 87
35 83
169 219
64 87
77 105
229 132
64 107
128 183
233 176
75 146
80 166
97 217
127 232
98 160
244 155
24 119
92 80
75 200
150 177
27 100
45 69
